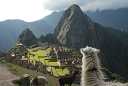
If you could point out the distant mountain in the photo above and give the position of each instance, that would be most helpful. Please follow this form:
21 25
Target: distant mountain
49 38
40 27
113 18
27 38
75 30
11 29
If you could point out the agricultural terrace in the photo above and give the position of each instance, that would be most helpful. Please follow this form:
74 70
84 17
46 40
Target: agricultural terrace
38 54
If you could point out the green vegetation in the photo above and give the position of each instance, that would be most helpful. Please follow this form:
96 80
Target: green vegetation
38 54
2 61
48 38
27 38
52 64
19 71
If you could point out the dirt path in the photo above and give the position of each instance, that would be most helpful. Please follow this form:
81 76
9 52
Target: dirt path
6 76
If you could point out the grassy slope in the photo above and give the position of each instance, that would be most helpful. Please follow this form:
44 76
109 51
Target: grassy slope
19 71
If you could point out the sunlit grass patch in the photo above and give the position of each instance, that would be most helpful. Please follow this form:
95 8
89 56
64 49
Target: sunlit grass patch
19 71
41 56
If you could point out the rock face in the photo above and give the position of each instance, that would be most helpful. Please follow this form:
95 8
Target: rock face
72 28
76 30
27 38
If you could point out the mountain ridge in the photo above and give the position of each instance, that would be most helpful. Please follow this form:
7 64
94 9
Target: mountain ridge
115 18
11 29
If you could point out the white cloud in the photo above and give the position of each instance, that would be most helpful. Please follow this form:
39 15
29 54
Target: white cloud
85 4
56 4
60 4
30 10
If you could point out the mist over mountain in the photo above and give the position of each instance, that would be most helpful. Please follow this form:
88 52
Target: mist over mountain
76 30
117 18
11 29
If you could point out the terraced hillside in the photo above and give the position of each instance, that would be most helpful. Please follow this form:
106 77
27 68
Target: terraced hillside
51 63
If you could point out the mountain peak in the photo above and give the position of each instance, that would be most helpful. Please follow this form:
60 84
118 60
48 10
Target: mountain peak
75 8
27 38
71 27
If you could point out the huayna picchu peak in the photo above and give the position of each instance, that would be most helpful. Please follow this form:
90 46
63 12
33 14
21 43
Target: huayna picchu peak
71 27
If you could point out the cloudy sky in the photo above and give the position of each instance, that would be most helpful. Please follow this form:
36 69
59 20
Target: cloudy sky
31 10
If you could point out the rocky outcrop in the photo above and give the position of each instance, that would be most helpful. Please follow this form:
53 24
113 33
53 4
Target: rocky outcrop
72 26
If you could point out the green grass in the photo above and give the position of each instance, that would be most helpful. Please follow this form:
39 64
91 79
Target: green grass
19 71
2 61
41 55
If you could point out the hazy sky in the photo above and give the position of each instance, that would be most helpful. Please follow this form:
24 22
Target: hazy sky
31 10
